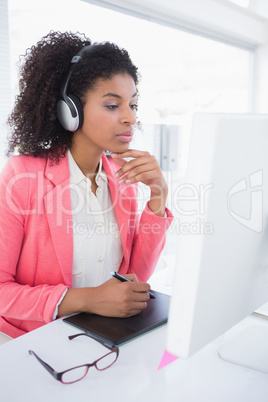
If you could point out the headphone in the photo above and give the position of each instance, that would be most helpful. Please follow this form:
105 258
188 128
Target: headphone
69 107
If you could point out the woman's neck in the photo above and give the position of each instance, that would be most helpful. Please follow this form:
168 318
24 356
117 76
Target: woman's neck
86 158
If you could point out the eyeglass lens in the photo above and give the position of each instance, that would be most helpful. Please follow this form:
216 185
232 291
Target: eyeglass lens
78 373
106 361
74 374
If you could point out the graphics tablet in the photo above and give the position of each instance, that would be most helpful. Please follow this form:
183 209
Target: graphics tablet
117 331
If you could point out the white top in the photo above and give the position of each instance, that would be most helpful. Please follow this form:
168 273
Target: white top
97 245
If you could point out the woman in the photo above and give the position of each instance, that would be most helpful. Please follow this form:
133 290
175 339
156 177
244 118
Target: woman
68 211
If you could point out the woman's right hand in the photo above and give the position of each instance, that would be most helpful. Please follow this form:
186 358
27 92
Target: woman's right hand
111 299
121 299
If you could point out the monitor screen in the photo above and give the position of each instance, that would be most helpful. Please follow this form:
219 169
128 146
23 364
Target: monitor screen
221 273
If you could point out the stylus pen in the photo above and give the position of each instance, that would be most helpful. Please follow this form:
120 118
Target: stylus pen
123 279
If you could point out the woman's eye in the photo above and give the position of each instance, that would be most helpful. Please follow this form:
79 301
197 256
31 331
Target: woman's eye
134 107
111 107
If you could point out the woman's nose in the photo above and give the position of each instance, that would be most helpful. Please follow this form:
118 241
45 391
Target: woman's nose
129 116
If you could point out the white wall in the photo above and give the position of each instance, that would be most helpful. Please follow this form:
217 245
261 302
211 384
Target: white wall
220 19
260 7
260 79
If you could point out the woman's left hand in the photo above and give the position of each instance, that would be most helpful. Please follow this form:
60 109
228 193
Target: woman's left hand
143 168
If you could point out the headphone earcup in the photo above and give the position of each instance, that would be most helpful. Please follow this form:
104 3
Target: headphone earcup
79 108
71 120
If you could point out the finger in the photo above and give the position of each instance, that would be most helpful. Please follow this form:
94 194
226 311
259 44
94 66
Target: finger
131 277
142 162
130 153
136 291
141 297
138 307
133 312
143 177
119 161
140 173
140 287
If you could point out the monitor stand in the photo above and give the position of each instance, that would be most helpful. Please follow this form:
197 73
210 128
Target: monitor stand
249 348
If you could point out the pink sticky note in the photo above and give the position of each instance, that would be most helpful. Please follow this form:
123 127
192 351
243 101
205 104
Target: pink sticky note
167 358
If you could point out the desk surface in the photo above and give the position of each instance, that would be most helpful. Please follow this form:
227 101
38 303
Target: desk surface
134 377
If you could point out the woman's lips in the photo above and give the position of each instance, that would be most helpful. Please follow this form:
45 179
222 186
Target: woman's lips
125 137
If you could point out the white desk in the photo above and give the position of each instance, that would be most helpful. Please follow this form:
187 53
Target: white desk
134 377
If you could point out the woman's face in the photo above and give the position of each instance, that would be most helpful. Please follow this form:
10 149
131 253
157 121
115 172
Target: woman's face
109 113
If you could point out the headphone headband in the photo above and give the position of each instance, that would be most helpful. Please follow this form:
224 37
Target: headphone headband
69 108
74 61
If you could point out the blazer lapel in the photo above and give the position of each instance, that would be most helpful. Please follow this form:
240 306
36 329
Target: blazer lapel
59 214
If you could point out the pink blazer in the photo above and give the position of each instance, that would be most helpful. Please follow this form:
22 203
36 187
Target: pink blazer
36 239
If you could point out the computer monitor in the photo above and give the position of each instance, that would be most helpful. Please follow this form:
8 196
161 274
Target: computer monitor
221 209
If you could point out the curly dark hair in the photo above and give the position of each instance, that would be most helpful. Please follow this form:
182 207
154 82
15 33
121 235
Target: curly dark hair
35 128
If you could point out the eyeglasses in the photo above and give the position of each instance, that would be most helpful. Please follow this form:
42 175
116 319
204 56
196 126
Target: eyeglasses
77 373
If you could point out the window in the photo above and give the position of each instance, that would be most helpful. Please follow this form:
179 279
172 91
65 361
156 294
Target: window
181 72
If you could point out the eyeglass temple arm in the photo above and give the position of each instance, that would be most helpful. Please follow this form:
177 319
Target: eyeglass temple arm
107 345
45 365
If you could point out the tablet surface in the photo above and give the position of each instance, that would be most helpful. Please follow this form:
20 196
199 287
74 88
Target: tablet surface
118 331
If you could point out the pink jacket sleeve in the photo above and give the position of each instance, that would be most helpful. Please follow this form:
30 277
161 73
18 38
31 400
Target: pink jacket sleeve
148 243
20 299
